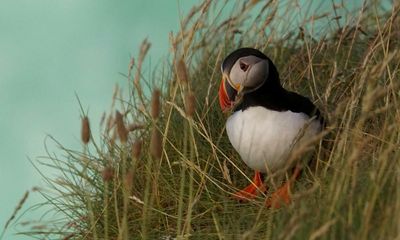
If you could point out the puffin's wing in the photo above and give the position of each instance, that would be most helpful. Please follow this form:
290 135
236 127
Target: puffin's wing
298 103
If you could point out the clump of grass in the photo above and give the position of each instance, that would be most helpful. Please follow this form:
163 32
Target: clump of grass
173 174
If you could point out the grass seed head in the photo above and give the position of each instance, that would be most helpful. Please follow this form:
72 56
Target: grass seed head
156 144
107 174
181 72
155 104
16 210
112 139
190 104
85 131
129 179
121 129
131 63
134 126
109 124
137 149
142 54
102 119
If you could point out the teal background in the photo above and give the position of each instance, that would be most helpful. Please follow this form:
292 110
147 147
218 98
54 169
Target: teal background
50 49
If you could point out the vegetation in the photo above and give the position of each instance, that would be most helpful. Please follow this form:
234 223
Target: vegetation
164 168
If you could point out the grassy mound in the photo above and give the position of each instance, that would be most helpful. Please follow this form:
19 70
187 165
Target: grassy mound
164 167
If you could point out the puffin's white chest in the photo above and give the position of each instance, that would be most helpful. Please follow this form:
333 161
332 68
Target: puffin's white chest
264 138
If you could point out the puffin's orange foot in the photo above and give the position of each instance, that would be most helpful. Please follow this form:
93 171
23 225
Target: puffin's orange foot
248 193
281 196
251 191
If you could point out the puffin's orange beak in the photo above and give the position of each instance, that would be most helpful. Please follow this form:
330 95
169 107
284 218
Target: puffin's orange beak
223 97
227 95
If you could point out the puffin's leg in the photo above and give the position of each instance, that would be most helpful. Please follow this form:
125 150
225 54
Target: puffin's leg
250 191
282 194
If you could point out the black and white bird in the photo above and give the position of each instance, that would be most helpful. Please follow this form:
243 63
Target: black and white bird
267 121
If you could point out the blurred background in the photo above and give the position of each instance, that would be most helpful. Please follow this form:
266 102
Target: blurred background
50 50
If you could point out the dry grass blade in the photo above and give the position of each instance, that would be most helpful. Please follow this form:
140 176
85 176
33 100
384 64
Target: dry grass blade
322 230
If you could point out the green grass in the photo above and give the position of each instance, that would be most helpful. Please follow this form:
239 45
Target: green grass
351 71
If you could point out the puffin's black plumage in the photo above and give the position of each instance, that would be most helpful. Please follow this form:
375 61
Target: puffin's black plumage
279 99
271 94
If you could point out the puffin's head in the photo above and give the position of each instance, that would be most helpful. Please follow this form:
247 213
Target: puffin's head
244 71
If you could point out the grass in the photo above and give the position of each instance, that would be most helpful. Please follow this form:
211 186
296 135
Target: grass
164 168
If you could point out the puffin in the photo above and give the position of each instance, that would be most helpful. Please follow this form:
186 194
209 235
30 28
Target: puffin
266 122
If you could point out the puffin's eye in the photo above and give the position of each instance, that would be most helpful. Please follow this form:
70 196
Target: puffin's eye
243 66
